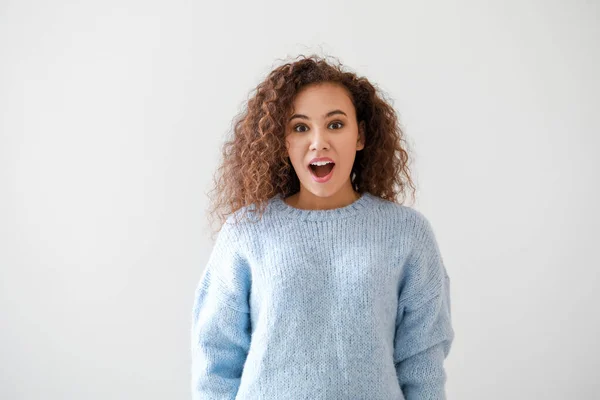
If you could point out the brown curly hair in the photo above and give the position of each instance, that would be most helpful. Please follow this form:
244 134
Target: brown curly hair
255 164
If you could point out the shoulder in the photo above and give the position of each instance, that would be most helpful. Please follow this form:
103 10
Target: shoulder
232 232
412 227
409 217
242 222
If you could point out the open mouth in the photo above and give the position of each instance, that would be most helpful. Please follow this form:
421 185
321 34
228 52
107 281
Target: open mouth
321 171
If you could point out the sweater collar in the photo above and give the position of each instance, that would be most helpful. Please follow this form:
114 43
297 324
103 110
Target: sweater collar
361 205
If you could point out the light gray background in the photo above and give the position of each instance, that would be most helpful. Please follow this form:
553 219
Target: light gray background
112 114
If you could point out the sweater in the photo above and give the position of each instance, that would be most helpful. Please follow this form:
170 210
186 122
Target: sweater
344 303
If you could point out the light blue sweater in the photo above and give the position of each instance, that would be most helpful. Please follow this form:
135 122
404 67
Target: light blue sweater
347 303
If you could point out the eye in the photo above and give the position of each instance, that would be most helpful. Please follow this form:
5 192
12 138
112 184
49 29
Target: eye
295 130
341 125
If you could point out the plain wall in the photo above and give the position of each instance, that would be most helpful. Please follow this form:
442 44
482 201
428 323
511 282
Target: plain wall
112 116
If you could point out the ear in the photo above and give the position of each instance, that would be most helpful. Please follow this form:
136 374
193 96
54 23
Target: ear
360 143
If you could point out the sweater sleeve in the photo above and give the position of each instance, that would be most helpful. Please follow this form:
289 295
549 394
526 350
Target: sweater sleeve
424 332
220 334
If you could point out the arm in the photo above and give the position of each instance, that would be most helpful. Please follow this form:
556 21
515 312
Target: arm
220 336
424 331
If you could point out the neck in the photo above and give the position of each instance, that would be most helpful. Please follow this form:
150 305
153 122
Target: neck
306 200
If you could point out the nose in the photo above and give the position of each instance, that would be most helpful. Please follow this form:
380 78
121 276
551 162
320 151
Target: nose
319 139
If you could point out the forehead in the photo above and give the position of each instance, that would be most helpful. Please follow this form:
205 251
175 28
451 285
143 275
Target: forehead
317 99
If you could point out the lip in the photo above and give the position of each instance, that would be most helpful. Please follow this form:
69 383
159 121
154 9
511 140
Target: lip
320 159
325 178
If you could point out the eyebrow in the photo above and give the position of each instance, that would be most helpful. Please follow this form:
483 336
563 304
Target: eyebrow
329 114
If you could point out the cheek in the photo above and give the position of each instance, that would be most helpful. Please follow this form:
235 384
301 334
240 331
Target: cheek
294 143
348 152
295 153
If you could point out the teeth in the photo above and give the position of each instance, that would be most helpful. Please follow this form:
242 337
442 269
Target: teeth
321 163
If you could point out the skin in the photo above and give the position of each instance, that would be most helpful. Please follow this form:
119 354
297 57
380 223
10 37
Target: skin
337 136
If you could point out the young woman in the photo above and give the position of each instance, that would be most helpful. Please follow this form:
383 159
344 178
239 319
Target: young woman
320 284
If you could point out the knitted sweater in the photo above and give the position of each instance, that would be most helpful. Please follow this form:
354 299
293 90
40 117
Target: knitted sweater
346 303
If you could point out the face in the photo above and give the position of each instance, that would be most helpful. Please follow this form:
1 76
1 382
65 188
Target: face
323 124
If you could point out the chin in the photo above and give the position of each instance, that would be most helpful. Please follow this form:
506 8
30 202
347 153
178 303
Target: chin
325 191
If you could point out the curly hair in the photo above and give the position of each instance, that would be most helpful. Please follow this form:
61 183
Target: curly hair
255 165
